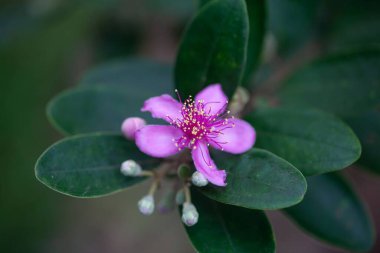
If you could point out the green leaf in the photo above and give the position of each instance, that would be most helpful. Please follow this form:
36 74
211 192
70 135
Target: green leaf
89 165
313 141
332 211
213 48
367 127
259 179
93 109
225 228
132 74
109 94
346 84
257 16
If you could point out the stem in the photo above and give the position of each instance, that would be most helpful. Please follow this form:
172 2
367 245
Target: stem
154 186
186 190
146 173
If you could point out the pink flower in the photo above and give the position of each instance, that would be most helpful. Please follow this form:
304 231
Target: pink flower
195 124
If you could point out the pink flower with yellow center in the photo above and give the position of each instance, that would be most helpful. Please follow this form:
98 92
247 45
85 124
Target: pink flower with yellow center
195 124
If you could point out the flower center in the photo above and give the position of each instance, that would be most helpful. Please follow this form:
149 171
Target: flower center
198 123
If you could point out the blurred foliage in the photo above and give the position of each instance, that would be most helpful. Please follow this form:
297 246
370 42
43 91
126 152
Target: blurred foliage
39 43
32 61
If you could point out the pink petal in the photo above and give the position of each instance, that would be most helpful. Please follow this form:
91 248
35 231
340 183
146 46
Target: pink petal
157 141
163 107
237 139
214 98
205 165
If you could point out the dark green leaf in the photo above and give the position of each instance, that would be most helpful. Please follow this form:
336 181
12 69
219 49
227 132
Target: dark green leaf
257 16
93 109
89 165
213 49
259 179
367 127
230 229
313 141
334 213
345 84
108 95
132 74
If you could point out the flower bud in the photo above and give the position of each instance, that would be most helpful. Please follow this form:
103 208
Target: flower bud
198 179
130 168
131 125
189 214
146 205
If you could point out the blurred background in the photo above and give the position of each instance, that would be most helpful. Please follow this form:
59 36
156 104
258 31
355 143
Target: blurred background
47 45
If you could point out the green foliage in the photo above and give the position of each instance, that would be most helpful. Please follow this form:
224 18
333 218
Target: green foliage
259 179
367 128
108 95
355 25
333 212
127 74
331 84
257 24
292 22
225 228
223 44
313 141
33 63
348 85
89 165
213 48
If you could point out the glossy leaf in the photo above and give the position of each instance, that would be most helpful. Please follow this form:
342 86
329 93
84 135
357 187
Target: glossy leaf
313 141
226 228
345 84
367 127
109 94
89 165
257 16
259 179
91 110
213 48
334 213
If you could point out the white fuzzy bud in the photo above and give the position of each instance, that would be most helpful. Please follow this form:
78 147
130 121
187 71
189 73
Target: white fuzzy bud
131 125
189 214
130 168
146 205
198 179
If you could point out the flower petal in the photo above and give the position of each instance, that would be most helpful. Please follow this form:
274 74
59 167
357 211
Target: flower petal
205 165
157 141
214 98
237 139
164 107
